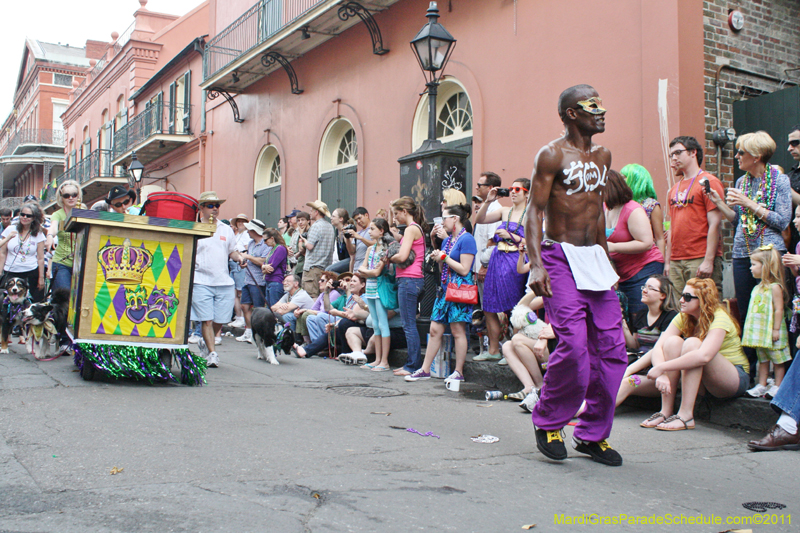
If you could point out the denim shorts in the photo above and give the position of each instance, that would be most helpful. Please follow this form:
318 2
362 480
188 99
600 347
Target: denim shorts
237 273
253 295
744 381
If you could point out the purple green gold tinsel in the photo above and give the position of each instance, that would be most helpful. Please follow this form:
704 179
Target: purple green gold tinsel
136 362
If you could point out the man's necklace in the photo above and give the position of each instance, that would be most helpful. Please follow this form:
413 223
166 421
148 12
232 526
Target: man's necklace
682 198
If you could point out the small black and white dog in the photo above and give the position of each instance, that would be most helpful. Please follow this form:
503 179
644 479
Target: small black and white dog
15 302
42 321
264 324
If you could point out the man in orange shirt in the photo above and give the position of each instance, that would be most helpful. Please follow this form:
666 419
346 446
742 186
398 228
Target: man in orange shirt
694 246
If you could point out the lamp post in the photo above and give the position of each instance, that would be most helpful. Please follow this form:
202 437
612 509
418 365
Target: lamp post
135 173
433 167
432 46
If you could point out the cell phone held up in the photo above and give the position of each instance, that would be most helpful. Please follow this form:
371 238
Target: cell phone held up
707 186
503 192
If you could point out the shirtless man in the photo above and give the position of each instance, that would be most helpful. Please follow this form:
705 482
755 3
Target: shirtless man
589 362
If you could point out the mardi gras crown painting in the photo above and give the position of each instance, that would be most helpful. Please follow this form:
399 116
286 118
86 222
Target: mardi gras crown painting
124 264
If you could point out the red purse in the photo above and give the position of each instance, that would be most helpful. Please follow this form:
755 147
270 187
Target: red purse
465 294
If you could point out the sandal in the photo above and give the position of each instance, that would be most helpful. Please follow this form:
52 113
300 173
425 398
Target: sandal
401 372
652 418
674 418
519 396
380 368
367 366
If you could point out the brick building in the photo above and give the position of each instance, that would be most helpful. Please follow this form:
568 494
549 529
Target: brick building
32 136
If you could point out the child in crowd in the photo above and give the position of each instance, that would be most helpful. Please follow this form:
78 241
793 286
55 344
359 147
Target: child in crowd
379 291
764 328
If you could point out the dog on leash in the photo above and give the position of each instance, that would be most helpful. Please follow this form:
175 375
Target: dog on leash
264 324
15 302
43 321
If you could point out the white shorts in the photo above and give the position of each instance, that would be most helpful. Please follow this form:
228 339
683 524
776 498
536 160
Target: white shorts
213 303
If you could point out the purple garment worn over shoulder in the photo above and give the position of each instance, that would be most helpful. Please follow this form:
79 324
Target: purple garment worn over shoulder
278 262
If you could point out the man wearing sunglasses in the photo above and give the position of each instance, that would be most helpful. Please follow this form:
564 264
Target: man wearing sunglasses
794 178
121 200
588 364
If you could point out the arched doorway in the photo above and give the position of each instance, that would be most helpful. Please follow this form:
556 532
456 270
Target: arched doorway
338 166
453 122
267 185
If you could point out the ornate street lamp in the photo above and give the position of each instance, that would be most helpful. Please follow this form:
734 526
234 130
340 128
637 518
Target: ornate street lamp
135 174
433 46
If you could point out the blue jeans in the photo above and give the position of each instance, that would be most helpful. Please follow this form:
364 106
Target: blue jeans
408 290
316 325
340 267
788 397
290 319
62 276
632 288
274 291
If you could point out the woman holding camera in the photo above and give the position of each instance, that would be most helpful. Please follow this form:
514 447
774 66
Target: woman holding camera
339 219
504 286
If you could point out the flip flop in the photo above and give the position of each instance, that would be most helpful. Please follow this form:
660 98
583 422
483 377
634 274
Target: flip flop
380 368
367 366
672 419
651 418
402 372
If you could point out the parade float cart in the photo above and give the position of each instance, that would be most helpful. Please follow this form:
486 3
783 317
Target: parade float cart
130 300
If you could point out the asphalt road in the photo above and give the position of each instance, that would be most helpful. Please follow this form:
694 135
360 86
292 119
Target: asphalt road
303 447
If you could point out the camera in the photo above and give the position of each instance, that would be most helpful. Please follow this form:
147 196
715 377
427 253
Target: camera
350 228
335 284
503 192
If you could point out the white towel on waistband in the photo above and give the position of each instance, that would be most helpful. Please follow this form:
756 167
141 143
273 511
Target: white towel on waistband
590 267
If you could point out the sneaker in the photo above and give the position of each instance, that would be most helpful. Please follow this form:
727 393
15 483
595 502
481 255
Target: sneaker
213 360
502 362
551 443
194 339
418 375
486 356
773 390
530 400
217 341
770 382
247 336
600 452
238 323
758 391
353 358
455 376
204 352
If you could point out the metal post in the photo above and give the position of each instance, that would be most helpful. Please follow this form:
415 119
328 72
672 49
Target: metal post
433 89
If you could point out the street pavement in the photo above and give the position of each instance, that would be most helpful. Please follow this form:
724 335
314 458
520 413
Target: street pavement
308 446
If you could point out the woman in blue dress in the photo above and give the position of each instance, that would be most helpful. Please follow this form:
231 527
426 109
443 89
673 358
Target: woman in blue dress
456 257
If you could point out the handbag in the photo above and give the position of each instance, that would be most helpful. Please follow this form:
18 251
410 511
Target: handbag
465 294
387 290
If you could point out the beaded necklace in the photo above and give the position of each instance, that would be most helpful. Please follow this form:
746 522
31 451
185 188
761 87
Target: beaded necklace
20 252
763 195
682 198
447 250
519 223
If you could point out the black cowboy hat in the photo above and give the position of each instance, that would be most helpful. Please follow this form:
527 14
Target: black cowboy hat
117 192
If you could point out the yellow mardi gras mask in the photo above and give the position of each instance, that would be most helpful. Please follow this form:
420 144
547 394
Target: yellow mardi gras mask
593 105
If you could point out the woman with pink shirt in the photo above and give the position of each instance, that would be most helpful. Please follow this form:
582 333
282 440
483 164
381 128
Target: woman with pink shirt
409 279
630 241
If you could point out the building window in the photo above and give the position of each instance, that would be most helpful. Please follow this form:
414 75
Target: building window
348 149
455 118
64 80
275 171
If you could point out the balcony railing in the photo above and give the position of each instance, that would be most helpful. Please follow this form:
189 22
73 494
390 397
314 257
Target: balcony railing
95 165
121 41
49 137
255 26
156 119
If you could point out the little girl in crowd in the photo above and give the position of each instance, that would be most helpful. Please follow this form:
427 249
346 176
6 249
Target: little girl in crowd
378 273
764 328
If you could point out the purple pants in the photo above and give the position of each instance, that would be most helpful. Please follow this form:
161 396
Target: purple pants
590 359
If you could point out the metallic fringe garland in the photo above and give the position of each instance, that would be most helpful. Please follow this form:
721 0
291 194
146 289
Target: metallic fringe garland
140 363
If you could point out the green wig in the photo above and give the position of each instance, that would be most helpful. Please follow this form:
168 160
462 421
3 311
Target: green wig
639 180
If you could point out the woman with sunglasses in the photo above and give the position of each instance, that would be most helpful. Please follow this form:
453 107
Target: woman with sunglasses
503 286
68 196
760 207
701 347
658 295
121 200
22 251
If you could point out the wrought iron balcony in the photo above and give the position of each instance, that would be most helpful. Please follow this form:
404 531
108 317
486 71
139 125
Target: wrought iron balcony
159 129
240 54
28 140
94 173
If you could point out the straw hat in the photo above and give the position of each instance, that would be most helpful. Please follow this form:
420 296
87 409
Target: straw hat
240 216
210 197
320 206
344 275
